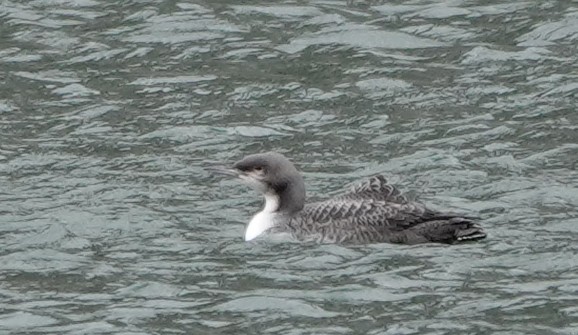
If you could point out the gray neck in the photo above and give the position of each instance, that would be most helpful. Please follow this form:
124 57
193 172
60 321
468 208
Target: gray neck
291 193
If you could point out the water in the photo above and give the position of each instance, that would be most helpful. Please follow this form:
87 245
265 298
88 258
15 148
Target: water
110 109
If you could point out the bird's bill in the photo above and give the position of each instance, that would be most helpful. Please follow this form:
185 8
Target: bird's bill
222 170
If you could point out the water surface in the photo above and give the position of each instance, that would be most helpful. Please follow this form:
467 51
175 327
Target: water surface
109 110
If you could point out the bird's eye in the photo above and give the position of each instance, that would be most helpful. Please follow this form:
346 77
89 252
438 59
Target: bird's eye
259 168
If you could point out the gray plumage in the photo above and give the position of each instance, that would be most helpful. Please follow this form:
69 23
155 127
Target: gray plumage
375 211
370 212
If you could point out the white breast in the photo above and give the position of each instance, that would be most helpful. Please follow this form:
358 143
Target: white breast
258 225
263 220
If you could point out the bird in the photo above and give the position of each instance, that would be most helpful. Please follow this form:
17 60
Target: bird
370 211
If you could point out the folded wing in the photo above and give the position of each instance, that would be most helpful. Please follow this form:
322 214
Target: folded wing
375 211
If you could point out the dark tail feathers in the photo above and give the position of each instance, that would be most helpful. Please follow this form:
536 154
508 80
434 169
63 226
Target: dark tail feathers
467 230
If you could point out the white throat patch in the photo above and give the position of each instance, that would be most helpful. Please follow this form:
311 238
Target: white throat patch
263 220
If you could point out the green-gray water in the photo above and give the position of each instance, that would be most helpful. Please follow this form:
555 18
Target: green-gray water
109 110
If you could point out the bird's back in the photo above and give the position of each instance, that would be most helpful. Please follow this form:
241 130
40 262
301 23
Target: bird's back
376 211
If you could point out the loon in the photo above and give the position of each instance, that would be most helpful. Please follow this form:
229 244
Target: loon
372 211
